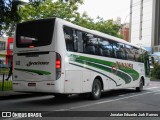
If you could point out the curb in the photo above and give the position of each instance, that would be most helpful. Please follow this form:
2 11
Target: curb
19 95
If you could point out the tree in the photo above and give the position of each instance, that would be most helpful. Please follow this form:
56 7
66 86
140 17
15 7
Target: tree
8 16
66 10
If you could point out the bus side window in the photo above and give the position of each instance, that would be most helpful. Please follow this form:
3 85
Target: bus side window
120 51
129 52
137 55
79 42
115 49
89 47
68 35
106 48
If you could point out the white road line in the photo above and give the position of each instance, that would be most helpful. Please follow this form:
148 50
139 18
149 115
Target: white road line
152 88
102 102
156 93
122 95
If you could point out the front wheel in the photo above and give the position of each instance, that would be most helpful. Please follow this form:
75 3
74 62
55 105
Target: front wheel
140 88
96 90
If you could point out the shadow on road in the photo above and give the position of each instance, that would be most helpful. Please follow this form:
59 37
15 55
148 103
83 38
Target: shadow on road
49 100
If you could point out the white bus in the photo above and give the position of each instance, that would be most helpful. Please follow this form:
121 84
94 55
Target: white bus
58 57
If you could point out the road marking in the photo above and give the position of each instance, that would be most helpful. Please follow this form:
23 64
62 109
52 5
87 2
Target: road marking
157 93
102 102
122 95
152 88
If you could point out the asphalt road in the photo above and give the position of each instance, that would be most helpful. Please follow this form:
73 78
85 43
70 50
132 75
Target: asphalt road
115 101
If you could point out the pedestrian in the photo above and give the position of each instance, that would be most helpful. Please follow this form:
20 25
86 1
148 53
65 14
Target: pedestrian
10 72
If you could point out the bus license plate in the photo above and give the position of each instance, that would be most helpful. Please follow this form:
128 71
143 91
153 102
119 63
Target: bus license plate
32 84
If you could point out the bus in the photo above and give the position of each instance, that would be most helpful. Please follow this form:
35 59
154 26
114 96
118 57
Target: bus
60 58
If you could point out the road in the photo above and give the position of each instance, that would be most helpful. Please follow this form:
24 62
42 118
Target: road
118 100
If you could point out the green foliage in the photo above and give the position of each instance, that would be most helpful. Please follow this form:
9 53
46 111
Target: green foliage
155 73
65 9
4 71
8 16
7 85
47 8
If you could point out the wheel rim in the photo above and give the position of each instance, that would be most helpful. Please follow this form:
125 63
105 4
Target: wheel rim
141 85
96 90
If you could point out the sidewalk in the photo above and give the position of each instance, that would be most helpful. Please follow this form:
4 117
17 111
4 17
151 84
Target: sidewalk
12 94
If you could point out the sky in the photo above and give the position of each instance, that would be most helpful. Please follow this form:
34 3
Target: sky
108 9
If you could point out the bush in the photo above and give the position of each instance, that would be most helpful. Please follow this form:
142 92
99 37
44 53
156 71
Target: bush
155 72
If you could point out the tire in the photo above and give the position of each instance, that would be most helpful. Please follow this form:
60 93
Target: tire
140 88
96 90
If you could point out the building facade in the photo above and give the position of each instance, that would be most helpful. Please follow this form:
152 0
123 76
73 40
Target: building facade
9 52
156 27
3 45
6 51
141 22
124 31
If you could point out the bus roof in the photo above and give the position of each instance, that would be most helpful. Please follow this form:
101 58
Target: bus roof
98 33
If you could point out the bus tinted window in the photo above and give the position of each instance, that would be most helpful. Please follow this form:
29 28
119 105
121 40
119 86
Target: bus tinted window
69 38
106 47
83 42
34 33
91 44
129 52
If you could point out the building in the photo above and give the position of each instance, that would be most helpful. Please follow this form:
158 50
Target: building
156 27
141 22
124 31
6 51
9 52
3 45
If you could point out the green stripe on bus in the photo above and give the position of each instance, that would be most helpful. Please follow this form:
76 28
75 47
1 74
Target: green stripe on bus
83 60
39 72
97 72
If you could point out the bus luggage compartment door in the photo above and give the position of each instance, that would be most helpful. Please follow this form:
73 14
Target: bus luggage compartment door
73 81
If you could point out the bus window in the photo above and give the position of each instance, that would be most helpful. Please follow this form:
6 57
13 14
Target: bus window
129 52
90 44
106 47
68 35
114 45
79 42
119 50
136 54
34 33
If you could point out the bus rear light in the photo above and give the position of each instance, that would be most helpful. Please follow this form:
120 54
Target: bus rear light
58 64
31 46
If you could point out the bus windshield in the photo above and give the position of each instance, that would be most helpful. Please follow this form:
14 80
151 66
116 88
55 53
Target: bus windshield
34 33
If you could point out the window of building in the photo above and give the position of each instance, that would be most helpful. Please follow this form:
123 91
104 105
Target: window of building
2 45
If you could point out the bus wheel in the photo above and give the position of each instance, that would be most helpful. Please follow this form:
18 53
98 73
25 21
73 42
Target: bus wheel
96 90
140 88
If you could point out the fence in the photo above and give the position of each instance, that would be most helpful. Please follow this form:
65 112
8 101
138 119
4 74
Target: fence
5 85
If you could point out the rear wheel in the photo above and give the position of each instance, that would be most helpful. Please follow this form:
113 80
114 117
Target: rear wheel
96 90
140 88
